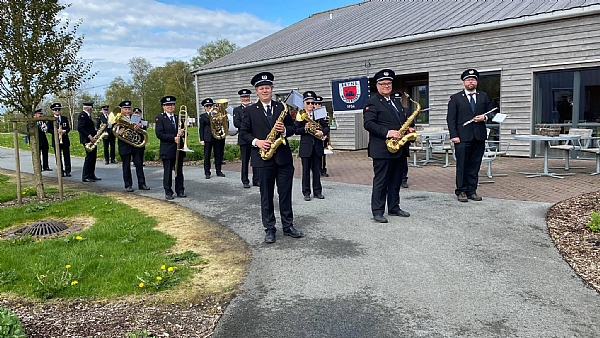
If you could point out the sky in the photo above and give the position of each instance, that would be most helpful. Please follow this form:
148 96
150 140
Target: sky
163 30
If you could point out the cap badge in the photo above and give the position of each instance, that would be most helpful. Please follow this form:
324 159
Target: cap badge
471 71
386 73
264 77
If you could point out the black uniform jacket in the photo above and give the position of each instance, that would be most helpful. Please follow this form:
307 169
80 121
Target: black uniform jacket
256 125
379 117
459 112
42 139
307 140
238 114
101 119
204 128
126 148
166 133
63 123
85 127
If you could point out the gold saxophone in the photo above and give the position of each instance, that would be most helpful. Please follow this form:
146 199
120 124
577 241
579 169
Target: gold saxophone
394 144
302 115
219 122
275 137
100 135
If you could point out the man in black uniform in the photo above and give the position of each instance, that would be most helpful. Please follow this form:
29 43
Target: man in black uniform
311 148
170 136
109 141
383 117
245 148
42 129
64 127
258 121
85 127
323 164
208 140
127 152
138 112
469 140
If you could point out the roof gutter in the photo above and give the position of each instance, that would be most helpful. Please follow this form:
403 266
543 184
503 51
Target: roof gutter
557 15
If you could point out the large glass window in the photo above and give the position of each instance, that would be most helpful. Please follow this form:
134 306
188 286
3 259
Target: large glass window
489 82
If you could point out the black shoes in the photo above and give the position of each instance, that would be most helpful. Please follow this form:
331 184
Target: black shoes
256 184
106 163
319 196
380 219
113 161
270 237
207 176
474 197
169 196
88 180
143 187
307 197
129 189
400 213
96 178
404 185
181 195
324 174
46 169
220 174
462 197
247 185
292 232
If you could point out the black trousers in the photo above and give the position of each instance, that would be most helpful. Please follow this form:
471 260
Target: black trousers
109 142
324 158
168 168
468 162
66 155
138 162
245 151
386 184
311 164
282 175
218 146
44 155
89 164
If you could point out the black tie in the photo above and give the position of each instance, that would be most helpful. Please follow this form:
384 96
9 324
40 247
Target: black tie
394 108
472 101
269 113
173 121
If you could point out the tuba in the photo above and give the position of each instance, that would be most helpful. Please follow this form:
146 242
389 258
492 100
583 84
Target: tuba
394 144
219 122
302 115
125 130
275 137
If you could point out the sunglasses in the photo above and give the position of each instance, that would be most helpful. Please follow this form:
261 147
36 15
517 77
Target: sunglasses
311 103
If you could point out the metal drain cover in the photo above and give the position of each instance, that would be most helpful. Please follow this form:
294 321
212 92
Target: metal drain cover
44 228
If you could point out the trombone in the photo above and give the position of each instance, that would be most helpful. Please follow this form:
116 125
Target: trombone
182 127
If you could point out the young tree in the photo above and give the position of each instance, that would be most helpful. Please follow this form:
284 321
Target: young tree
118 90
140 68
38 56
211 51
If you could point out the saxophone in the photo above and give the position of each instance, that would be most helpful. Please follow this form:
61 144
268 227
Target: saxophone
100 135
302 115
394 144
274 136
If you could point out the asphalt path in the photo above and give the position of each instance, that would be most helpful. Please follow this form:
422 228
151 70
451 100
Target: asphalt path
477 269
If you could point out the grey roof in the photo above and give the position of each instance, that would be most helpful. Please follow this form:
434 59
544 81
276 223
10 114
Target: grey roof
371 21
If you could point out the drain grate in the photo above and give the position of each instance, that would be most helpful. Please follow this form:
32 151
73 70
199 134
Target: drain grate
44 228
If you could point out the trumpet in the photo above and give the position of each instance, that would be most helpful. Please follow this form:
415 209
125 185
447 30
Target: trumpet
60 133
182 127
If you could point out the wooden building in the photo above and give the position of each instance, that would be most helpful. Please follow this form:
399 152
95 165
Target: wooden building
540 60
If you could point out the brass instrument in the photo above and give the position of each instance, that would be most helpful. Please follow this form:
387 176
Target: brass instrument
275 137
60 135
394 144
302 115
100 135
125 130
219 122
44 126
182 126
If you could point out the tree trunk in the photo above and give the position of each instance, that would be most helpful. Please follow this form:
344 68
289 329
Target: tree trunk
36 160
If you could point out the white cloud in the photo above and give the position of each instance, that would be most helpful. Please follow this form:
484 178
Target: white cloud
116 31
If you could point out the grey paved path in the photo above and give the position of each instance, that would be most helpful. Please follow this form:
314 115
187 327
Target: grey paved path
485 269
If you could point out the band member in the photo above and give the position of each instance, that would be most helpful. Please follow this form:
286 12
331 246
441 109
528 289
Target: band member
323 165
138 112
85 127
259 120
42 129
207 139
311 148
405 171
63 128
383 117
109 141
128 151
170 136
245 148
469 140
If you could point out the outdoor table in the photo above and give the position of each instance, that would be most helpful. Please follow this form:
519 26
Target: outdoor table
546 141
433 135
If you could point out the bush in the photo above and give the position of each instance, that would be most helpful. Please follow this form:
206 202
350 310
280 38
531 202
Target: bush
594 224
10 325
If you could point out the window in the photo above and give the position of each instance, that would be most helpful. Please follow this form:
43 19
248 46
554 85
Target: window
489 82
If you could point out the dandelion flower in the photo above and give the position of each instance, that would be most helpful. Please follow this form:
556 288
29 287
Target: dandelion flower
162 267
170 269
78 238
74 282
158 278
42 276
141 285
68 266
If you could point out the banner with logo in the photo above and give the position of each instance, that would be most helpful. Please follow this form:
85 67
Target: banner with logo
349 94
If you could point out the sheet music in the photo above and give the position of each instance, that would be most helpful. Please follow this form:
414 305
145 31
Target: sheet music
135 119
295 100
320 113
499 117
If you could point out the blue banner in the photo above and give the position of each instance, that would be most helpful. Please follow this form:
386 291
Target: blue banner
349 94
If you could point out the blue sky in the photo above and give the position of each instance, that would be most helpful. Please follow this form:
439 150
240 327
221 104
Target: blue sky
163 30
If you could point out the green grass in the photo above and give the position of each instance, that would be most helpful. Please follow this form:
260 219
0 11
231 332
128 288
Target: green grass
110 258
8 190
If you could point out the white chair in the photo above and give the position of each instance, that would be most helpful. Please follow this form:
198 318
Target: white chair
446 149
415 147
596 151
493 149
576 145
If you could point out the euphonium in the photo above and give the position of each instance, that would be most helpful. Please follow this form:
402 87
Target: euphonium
302 115
394 144
275 137
219 122
124 129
